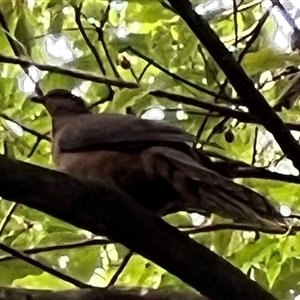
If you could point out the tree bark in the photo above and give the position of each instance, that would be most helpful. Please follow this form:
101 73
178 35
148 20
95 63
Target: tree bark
243 85
100 207
97 294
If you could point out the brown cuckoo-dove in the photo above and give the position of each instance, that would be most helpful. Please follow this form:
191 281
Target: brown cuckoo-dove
150 160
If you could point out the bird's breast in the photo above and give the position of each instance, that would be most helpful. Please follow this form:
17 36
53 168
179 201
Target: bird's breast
125 169
95 165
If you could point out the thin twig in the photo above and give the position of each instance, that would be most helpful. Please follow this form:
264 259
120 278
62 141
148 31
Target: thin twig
286 15
43 267
7 217
254 35
77 10
34 147
224 111
17 50
173 75
236 28
254 146
235 226
100 32
75 73
109 97
143 72
242 84
94 242
93 49
31 131
120 269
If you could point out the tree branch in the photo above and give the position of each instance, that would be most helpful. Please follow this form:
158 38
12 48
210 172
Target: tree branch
222 110
103 208
42 266
115 293
75 73
243 85
173 75
95 242
18 51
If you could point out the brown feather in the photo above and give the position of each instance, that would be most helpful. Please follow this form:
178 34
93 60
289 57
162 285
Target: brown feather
150 160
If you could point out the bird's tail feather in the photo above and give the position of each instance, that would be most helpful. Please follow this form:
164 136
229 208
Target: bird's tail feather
204 190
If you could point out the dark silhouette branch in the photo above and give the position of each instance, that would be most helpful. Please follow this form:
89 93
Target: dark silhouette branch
243 85
100 33
221 110
286 15
235 226
75 73
238 169
95 242
114 293
103 208
43 267
173 75
31 131
120 269
18 51
77 10
5 220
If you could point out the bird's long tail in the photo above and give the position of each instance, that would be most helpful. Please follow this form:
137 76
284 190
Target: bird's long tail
202 189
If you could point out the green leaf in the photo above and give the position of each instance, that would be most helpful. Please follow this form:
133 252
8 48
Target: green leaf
173 283
268 58
127 97
57 23
83 262
134 270
25 30
221 241
255 252
147 12
94 9
179 219
15 269
53 3
53 81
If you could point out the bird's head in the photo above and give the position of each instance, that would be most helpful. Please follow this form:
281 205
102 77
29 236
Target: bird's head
61 102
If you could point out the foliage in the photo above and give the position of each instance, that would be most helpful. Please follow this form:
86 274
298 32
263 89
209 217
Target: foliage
157 46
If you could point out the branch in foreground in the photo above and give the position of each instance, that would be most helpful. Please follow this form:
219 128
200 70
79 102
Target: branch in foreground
103 208
116 293
75 73
243 85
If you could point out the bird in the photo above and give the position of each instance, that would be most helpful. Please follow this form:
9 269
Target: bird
152 161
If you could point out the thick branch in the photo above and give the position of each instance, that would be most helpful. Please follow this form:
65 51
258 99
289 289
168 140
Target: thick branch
243 85
104 208
97 294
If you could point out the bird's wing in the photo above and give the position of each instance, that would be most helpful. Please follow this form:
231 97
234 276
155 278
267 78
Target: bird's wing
204 190
84 131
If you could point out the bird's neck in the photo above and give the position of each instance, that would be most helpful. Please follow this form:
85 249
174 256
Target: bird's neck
60 120
69 111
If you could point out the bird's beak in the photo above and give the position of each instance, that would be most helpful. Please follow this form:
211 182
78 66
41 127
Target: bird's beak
36 98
